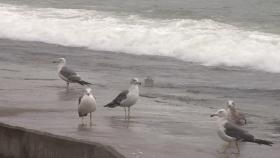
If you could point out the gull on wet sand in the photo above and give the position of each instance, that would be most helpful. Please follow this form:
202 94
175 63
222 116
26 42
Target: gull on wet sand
67 74
234 116
86 105
230 132
126 98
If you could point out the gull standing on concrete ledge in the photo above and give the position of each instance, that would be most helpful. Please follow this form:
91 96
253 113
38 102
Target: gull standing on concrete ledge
127 98
232 133
67 74
235 116
87 104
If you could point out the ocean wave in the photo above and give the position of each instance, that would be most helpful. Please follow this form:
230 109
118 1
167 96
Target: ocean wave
203 41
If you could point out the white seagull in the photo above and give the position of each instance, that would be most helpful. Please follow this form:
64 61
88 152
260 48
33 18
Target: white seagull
127 98
87 104
67 74
232 133
234 116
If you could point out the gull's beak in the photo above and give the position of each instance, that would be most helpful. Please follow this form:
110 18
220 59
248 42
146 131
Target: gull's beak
213 115
54 61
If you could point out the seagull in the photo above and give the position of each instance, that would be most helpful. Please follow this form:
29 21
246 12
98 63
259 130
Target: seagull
127 98
87 104
67 74
230 132
235 116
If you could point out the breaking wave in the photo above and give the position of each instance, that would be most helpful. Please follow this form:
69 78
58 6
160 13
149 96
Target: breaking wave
204 41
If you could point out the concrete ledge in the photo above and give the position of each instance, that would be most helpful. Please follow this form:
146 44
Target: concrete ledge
18 142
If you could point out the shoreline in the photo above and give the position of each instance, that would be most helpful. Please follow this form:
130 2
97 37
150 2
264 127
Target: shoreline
170 120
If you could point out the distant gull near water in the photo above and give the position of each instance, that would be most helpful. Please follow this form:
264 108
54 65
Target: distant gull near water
86 105
67 74
234 116
230 132
127 98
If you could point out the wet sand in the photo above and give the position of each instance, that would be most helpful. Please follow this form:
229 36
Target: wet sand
170 120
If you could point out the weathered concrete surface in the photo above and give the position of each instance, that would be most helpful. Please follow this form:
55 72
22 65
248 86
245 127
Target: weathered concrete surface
17 142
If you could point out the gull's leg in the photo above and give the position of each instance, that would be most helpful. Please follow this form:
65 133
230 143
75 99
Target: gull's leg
90 119
124 113
237 146
226 147
129 112
67 85
83 121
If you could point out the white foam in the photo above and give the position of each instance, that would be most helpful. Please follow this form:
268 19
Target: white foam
204 41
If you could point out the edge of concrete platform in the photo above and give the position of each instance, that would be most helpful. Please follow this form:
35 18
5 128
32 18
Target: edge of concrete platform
19 142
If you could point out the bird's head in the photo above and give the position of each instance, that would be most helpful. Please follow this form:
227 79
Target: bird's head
60 61
231 104
135 81
220 113
88 91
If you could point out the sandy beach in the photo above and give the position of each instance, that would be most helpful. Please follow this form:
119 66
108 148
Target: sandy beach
172 119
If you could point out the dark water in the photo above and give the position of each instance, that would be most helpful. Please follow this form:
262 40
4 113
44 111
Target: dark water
211 33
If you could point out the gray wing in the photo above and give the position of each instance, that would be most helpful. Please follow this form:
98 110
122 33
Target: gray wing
117 101
70 74
238 133
120 97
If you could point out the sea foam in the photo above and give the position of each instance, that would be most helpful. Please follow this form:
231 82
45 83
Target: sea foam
203 41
